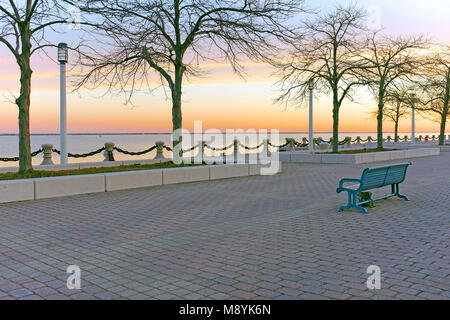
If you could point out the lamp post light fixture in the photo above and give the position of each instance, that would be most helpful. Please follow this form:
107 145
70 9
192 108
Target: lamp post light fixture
413 124
63 57
311 115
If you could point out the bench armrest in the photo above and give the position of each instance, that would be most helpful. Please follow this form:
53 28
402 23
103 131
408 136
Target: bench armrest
341 184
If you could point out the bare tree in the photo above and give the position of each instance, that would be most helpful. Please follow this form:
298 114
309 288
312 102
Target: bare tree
327 53
171 38
22 30
434 91
392 59
397 106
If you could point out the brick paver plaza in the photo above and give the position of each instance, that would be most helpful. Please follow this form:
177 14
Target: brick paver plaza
277 237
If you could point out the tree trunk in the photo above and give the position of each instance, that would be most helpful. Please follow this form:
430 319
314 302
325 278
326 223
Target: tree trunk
176 114
335 125
397 119
23 102
445 112
380 120
396 131
442 130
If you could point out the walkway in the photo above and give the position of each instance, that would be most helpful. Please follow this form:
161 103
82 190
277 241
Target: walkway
248 238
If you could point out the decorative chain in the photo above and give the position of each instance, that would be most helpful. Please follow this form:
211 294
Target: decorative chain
218 149
130 153
251 148
84 155
280 146
14 159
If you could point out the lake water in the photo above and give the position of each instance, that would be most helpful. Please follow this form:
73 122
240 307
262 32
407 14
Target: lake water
83 143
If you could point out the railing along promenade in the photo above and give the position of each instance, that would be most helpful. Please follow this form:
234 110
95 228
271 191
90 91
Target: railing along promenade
233 149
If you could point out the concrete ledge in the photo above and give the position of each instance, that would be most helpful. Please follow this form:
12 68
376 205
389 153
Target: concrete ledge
341 158
106 164
57 167
68 185
285 156
16 190
53 187
359 158
142 162
180 175
374 157
255 169
133 179
305 158
229 171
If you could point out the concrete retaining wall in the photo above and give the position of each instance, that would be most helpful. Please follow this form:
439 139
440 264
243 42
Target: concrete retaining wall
16 190
358 158
68 185
133 179
181 175
84 165
42 188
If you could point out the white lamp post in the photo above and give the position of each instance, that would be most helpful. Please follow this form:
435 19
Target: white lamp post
311 115
413 124
63 58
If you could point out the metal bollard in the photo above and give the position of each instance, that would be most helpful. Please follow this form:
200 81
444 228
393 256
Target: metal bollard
291 144
202 151
348 142
159 150
235 150
305 141
47 154
109 151
265 151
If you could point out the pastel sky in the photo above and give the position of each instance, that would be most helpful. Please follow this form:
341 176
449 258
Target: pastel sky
221 100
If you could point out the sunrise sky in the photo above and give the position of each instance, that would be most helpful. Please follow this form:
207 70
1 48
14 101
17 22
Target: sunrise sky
221 100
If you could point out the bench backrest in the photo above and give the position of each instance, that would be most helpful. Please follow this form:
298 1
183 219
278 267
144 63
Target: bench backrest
383 176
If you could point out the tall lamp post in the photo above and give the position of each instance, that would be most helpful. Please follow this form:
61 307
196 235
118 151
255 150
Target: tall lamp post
311 115
413 124
63 58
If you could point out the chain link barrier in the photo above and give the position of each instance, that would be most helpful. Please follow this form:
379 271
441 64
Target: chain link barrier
15 159
295 143
84 155
130 153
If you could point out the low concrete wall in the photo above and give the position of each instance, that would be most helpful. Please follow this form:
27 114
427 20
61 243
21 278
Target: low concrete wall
229 171
181 175
265 169
43 188
84 165
16 190
133 179
68 185
358 158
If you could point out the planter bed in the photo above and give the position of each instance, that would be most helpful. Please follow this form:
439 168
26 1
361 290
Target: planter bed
358 158
94 182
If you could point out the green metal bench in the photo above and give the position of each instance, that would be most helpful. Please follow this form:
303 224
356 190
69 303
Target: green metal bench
374 178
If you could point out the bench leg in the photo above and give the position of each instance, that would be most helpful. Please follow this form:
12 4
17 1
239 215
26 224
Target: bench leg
396 192
352 203
357 207
349 205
